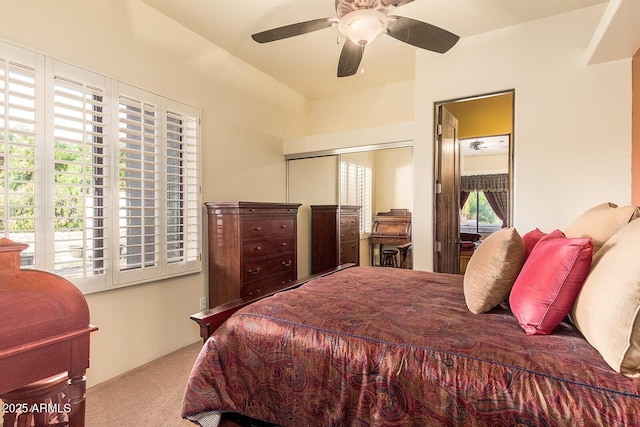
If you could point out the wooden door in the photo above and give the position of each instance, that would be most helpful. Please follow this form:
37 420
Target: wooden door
447 194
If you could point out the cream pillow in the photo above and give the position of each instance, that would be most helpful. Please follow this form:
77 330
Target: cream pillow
492 269
601 222
607 308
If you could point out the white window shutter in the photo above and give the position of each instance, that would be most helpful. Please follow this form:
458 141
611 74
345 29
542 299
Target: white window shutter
100 179
139 189
183 202
18 174
79 190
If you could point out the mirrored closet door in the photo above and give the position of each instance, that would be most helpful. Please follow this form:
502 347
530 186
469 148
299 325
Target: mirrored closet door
368 179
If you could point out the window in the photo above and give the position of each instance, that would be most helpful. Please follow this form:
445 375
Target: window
100 179
78 179
356 189
477 215
18 155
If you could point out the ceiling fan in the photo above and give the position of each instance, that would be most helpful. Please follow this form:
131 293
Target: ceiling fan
477 145
361 21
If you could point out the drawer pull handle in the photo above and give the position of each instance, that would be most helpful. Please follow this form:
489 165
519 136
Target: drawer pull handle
284 243
258 248
258 228
283 226
287 263
254 272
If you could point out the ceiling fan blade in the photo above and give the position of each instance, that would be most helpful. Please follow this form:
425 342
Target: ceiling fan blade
421 34
293 30
350 58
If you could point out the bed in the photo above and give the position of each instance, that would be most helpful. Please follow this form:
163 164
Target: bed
372 346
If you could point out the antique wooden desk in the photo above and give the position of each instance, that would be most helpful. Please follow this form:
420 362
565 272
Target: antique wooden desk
389 228
44 329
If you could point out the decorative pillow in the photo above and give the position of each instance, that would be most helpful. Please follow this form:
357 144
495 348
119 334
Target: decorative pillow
607 309
492 269
601 222
533 237
549 281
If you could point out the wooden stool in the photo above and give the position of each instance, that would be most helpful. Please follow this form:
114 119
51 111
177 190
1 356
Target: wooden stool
389 258
39 404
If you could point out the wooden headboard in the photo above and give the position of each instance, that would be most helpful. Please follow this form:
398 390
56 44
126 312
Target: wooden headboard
210 319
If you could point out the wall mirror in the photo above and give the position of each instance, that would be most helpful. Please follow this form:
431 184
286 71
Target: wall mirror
377 177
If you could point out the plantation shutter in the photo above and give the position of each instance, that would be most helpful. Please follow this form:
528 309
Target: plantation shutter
182 189
348 182
356 189
139 185
18 156
78 179
100 179
365 184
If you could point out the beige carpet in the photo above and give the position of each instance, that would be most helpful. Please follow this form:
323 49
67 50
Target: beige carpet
150 395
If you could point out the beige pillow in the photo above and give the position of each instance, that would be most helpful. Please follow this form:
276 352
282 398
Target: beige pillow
607 308
601 222
492 269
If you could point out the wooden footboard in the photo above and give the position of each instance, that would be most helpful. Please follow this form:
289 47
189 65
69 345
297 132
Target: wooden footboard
211 318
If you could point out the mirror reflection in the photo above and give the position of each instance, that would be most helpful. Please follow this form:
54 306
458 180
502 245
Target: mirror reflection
375 180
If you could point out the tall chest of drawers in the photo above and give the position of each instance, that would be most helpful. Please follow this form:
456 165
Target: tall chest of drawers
335 236
252 248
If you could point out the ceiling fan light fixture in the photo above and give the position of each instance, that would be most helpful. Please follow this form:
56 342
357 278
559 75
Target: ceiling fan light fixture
363 26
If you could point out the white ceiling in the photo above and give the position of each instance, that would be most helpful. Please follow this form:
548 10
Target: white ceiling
484 146
307 63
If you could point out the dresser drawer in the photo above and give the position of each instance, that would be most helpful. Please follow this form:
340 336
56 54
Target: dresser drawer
349 221
261 268
256 228
281 227
266 247
349 233
350 252
267 285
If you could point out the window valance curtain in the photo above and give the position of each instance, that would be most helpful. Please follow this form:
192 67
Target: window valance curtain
494 186
494 183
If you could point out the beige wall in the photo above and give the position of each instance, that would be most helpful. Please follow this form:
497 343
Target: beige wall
493 163
381 106
311 182
394 180
560 104
245 116
566 160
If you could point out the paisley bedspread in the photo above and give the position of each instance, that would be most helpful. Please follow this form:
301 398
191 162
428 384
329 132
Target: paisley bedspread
391 347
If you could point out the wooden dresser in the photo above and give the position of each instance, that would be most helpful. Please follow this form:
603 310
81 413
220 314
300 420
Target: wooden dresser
335 236
252 249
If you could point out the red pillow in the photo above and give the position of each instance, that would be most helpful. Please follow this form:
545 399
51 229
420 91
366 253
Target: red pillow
549 281
532 238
